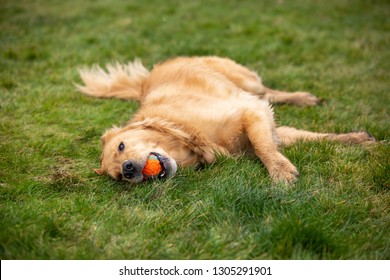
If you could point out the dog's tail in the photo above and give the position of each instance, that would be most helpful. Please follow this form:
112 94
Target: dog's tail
122 81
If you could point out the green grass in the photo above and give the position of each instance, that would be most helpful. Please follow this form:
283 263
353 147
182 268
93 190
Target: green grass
52 206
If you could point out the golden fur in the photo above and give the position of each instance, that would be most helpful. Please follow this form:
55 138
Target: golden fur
194 108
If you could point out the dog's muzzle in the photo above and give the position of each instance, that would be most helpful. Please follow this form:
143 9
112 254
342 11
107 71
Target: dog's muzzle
132 170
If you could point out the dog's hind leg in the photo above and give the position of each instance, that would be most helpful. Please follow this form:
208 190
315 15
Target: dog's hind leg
238 74
299 98
289 135
294 98
250 81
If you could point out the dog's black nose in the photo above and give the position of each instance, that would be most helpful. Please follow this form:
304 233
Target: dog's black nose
129 169
128 165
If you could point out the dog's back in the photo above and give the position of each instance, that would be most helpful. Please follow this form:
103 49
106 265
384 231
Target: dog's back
210 75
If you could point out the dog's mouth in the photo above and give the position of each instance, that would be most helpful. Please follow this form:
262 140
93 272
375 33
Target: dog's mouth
163 162
137 172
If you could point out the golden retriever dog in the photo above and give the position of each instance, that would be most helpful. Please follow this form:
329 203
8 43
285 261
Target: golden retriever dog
193 109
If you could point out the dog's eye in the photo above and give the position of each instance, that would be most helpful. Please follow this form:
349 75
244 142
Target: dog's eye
121 147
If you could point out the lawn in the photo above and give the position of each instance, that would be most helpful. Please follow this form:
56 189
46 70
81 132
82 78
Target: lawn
52 205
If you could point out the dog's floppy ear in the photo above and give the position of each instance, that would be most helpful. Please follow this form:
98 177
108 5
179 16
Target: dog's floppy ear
106 136
98 171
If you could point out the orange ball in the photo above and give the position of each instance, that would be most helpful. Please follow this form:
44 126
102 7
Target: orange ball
152 167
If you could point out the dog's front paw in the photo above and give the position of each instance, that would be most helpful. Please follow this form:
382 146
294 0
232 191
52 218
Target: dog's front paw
305 99
283 171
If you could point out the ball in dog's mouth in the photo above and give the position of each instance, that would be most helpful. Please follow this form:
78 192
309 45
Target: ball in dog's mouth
158 167
154 168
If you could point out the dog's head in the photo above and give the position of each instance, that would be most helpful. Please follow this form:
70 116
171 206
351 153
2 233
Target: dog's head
126 150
